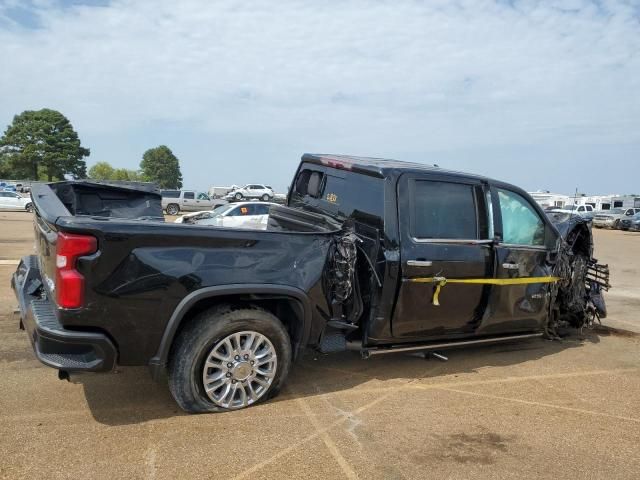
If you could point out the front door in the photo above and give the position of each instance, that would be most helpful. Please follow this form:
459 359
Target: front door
524 242
445 231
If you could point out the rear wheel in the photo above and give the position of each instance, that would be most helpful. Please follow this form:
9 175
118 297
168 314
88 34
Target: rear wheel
173 209
229 359
265 198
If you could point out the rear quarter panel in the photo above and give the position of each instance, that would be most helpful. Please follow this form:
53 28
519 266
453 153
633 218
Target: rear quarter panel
142 271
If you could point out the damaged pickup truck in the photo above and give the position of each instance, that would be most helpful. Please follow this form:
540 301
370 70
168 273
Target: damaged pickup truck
372 255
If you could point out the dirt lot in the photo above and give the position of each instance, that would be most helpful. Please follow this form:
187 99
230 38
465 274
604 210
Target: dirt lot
540 409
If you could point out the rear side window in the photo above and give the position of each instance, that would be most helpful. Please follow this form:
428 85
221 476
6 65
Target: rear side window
443 210
310 182
521 224
189 195
170 193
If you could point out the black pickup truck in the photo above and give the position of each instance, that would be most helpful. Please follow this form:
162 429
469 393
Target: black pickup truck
374 255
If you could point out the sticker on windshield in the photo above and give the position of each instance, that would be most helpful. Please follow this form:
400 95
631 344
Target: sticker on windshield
332 198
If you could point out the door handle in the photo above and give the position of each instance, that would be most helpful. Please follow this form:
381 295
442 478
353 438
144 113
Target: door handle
419 263
511 266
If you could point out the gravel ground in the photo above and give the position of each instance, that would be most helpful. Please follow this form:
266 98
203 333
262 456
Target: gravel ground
535 409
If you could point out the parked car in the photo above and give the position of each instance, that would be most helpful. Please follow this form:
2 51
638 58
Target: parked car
232 215
585 211
612 218
23 187
630 223
13 201
371 255
175 201
253 190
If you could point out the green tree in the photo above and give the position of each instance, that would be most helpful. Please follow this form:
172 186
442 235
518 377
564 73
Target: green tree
104 171
43 143
101 171
161 166
129 175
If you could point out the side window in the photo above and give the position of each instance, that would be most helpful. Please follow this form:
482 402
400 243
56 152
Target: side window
310 182
203 196
521 224
261 209
444 210
234 212
3 194
189 195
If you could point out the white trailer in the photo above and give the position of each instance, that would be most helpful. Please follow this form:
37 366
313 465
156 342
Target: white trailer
547 199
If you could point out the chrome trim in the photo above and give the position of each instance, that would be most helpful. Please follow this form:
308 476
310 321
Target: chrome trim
523 247
382 351
419 263
452 240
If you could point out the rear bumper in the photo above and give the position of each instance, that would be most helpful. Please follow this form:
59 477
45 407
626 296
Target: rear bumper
53 345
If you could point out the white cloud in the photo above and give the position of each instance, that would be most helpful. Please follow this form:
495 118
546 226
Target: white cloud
380 76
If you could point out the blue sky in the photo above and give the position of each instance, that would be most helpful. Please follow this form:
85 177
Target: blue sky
544 94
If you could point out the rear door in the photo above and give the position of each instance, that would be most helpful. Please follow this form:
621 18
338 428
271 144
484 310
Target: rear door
444 232
524 243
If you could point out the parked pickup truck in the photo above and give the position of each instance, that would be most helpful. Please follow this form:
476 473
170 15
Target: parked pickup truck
372 255
613 218
175 201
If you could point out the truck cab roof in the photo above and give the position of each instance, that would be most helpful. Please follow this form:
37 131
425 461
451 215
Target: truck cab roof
380 167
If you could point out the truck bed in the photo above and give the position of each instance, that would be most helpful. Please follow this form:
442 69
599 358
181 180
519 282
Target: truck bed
144 269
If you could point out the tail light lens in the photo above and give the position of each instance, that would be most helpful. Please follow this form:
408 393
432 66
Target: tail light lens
69 281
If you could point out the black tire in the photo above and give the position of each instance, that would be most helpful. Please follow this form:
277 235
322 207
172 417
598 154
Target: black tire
265 198
238 196
196 340
173 209
29 207
616 225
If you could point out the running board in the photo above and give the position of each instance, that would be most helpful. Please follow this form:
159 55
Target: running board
367 352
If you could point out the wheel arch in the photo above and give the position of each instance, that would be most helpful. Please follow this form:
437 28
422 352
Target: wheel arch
290 304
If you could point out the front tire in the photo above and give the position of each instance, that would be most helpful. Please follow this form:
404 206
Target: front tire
229 359
173 209
238 196
616 225
29 207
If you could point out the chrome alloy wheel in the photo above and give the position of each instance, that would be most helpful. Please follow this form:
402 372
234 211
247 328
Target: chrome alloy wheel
239 369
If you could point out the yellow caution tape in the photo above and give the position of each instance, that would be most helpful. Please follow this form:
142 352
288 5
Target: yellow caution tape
442 281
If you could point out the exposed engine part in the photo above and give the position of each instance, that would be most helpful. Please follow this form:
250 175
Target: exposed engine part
341 274
577 298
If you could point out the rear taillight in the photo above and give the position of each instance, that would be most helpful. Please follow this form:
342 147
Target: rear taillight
69 281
